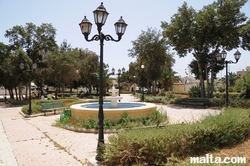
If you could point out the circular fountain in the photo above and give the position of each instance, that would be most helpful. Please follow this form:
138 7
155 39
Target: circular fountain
112 110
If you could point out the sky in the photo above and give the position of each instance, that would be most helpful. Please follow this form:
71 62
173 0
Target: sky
66 15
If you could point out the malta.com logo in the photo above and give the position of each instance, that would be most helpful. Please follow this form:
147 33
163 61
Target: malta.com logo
210 159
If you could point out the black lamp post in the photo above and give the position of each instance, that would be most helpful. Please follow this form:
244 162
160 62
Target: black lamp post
29 71
134 85
221 57
142 67
119 73
77 72
100 16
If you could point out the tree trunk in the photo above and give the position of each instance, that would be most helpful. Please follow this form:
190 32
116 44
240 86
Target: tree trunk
90 89
200 76
63 90
56 92
212 80
20 92
16 93
207 80
11 94
26 92
154 88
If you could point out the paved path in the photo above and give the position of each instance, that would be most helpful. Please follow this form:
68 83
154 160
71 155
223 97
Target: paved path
35 141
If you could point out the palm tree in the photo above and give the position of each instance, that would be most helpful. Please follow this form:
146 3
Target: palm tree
168 79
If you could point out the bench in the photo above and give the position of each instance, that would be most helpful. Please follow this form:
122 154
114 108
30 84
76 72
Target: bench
204 102
54 106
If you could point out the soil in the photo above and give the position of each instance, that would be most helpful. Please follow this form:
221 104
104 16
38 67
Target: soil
240 150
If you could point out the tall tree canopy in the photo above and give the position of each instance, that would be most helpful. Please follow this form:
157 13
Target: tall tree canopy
150 49
206 32
37 41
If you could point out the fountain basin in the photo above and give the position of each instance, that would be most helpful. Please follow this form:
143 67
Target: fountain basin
90 110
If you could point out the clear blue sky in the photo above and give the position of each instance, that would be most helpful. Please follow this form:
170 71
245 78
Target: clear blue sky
65 16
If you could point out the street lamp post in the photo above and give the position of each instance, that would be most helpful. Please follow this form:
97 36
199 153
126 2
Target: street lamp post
29 71
134 85
119 73
100 16
142 67
77 72
221 57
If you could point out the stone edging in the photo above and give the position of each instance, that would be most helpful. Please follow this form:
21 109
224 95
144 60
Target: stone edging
36 115
83 130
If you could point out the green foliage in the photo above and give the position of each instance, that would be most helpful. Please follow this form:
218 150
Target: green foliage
108 124
36 109
151 50
239 103
195 91
91 123
246 83
36 104
187 32
18 102
126 122
222 89
25 46
154 146
235 100
125 119
157 117
217 102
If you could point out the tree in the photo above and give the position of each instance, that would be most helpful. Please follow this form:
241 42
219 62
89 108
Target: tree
36 41
89 67
11 72
150 49
4 53
232 77
168 79
206 32
242 84
61 68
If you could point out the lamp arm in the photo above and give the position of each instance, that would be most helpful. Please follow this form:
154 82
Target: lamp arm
95 37
232 62
109 37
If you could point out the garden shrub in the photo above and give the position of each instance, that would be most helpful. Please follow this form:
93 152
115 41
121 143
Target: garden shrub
154 146
36 109
194 91
125 122
222 89
36 104
217 102
18 102
239 103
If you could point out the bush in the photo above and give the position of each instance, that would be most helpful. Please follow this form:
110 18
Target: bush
154 146
36 109
239 103
194 91
18 102
126 122
36 104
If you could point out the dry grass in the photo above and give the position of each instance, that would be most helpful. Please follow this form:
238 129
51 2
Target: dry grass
242 150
